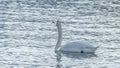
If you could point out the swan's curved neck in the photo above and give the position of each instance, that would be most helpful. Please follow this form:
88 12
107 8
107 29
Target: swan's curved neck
59 36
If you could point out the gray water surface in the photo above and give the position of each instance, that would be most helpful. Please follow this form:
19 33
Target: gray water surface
28 36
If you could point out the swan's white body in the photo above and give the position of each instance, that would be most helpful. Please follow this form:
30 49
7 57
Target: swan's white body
78 47
75 46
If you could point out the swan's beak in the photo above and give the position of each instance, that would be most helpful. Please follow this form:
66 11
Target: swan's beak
54 23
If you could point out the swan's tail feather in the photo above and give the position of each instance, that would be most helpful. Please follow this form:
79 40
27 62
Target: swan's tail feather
97 47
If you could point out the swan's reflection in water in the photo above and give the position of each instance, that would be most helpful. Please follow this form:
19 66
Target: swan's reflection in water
58 59
72 55
78 55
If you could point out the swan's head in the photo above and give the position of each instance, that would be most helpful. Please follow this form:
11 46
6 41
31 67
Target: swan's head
56 22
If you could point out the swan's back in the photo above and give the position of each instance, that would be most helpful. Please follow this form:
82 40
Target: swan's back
78 47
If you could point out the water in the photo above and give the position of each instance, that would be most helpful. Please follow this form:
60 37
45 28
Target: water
28 38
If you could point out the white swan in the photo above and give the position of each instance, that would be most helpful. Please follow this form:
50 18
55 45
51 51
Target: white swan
76 46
